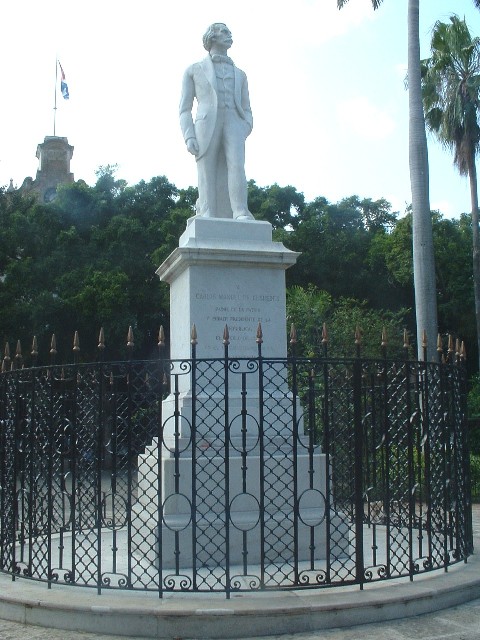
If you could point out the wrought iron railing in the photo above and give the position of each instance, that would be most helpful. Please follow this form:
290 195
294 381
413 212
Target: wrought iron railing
274 473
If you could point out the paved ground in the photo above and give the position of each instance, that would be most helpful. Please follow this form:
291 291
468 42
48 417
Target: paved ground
457 623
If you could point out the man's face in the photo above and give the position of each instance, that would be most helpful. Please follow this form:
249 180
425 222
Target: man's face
223 36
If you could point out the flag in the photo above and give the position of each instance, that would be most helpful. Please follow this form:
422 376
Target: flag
63 84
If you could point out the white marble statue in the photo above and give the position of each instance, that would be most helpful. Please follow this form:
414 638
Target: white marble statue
222 123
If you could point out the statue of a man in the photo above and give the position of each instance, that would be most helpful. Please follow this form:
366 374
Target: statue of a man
222 123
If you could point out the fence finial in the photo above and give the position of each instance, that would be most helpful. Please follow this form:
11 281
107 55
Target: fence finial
424 339
439 343
130 341
53 345
34 351
76 343
259 338
161 337
451 349
463 351
384 337
18 354
293 335
6 357
226 336
101 339
193 335
324 333
358 336
406 340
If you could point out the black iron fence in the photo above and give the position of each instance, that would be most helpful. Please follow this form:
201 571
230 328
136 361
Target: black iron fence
233 474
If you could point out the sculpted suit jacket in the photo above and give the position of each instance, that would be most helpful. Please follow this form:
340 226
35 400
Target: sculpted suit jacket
200 82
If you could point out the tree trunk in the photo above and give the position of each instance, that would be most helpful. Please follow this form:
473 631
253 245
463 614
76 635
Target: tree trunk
472 174
423 254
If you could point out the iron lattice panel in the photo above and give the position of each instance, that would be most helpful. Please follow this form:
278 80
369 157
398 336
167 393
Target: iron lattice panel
289 473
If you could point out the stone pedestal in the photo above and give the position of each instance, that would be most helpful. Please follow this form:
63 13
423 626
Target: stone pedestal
212 478
292 522
230 273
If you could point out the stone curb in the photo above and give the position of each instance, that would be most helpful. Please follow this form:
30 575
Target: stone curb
211 616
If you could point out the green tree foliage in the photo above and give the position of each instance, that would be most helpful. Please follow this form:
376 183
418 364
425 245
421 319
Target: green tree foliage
313 312
451 98
88 261
336 242
452 240
281 206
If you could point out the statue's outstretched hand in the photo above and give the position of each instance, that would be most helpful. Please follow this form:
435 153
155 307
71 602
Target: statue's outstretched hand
192 146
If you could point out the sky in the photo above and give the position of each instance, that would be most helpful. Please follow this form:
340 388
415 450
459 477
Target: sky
327 89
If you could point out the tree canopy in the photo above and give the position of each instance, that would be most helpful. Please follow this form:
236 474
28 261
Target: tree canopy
88 260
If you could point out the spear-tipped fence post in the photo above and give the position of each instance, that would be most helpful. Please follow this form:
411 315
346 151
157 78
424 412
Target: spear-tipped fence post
193 433
18 356
163 375
226 340
406 344
193 341
384 342
53 349
6 358
439 347
293 340
76 347
358 461
424 345
161 342
325 340
451 349
358 341
226 430
34 351
130 342
101 344
259 339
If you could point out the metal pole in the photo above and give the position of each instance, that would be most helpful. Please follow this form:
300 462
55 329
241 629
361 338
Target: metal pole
55 101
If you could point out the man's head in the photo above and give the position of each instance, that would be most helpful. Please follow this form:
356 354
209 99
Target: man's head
218 31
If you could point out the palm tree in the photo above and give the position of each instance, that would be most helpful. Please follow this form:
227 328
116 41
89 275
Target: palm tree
451 98
423 254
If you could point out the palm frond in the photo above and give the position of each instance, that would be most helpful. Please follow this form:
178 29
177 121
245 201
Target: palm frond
375 3
451 90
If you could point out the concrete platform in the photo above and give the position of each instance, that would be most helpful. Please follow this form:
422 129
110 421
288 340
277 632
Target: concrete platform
126 614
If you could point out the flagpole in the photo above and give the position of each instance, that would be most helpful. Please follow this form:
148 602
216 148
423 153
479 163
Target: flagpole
55 103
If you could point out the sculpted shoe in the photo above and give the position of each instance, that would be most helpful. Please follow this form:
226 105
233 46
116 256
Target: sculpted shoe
244 215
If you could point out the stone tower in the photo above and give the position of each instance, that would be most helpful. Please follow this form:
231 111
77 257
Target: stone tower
54 155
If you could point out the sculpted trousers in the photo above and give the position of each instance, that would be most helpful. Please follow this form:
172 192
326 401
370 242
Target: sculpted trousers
222 185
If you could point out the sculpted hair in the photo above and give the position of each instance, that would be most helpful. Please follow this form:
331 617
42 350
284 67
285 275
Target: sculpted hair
210 34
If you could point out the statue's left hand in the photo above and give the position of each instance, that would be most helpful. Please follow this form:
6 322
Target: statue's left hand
192 146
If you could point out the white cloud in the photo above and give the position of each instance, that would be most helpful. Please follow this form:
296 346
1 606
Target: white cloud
444 206
364 119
